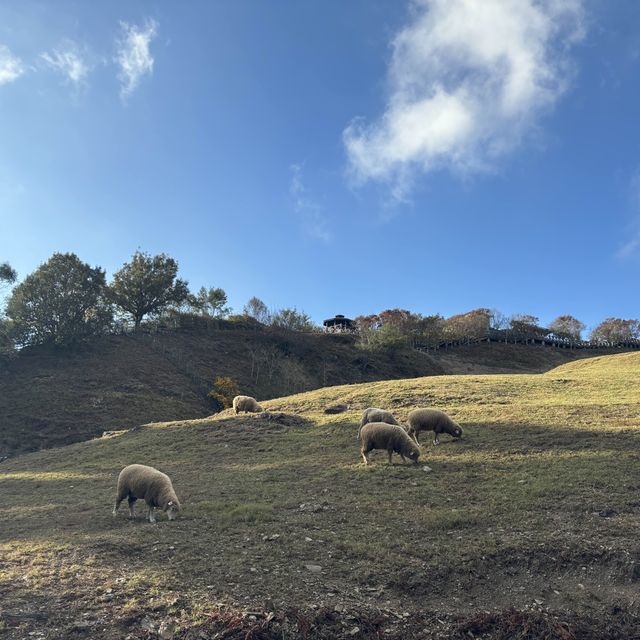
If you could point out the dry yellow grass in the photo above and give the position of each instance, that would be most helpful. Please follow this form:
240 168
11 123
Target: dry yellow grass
537 506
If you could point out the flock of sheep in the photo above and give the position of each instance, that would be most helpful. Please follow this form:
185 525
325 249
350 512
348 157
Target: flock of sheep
378 430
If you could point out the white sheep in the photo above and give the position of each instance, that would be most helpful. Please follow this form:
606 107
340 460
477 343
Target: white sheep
432 420
246 404
154 487
380 435
373 414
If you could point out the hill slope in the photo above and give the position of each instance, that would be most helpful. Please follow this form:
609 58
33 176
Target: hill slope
285 533
50 398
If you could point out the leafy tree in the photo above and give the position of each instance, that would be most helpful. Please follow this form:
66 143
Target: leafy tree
7 274
293 320
62 302
257 310
430 330
147 285
567 327
211 302
614 331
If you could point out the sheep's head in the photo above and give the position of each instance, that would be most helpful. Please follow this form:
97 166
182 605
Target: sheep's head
457 431
413 454
172 509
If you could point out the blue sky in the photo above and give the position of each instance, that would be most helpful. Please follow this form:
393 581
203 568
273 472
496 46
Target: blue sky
340 157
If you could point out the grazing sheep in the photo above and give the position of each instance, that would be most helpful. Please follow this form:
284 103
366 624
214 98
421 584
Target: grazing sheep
246 404
380 435
372 414
432 420
140 481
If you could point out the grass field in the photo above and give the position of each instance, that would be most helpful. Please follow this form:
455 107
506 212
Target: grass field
528 527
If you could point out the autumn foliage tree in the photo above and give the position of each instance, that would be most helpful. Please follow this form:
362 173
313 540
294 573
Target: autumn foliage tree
614 331
472 325
223 392
567 327
147 285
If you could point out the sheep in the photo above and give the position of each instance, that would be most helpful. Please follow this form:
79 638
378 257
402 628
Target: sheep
140 481
246 404
372 414
432 420
380 435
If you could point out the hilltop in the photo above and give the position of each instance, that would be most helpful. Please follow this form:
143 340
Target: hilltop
51 397
530 521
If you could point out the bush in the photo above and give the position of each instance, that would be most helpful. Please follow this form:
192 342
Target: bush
223 392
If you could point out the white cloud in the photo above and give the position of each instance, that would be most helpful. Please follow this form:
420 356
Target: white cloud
133 54
468 80
632 246
11 67
309 211
68 61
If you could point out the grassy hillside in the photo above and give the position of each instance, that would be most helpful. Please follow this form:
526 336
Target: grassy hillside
52 397
525 528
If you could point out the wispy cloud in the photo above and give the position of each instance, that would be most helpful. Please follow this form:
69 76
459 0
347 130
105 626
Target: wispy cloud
309 211
69 62
11 67
632 246
468 80
134 55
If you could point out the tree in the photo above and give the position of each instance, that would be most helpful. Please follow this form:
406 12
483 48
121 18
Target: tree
567 327
211 302
293 320
613 331
526 324
7 274
147 285
472 325
257 310
62 302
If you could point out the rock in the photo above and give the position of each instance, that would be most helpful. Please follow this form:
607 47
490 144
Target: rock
147 625
354 631
314 568
426 468
312 507
167 630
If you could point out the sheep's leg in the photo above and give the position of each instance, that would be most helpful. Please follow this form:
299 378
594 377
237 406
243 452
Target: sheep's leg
403 459
436 440
389 453
151 513
132 507
364 455
115 507
415 437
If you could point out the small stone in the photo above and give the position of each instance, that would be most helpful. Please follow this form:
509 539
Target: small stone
307 539
314 568
426 468
580 585
167 630
354 631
